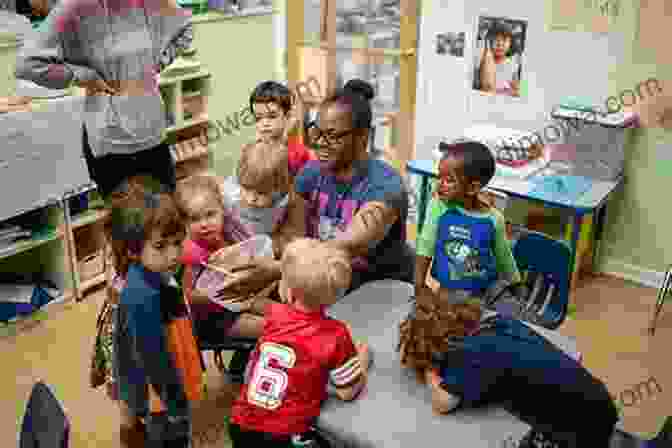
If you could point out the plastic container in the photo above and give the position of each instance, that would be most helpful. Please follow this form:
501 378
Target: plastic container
214 276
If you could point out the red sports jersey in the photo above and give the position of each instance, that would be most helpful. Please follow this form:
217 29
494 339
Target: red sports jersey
286 378
298 154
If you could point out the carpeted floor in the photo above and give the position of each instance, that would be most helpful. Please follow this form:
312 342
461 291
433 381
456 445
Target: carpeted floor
610 325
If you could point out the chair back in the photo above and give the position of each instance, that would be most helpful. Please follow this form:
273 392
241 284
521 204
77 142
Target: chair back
45 424
536 253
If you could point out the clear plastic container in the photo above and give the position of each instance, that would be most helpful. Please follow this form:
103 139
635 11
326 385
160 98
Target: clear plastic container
221 262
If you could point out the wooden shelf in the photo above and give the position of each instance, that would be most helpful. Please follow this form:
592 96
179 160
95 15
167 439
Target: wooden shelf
170 80
201 120
87 218
92 282
28 244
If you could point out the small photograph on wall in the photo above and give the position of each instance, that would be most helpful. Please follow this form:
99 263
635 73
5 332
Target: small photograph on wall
498 56
450 43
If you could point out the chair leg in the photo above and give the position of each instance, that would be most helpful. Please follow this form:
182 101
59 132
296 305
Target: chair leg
662 294
219 361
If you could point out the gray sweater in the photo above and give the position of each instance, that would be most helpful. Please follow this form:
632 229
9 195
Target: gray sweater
113 40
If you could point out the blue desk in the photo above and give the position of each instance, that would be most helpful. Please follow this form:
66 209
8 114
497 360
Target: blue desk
592 201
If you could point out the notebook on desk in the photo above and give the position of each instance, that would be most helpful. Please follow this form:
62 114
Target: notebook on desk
561 189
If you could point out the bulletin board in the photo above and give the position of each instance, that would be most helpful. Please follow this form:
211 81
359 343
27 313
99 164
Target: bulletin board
41 157
553 65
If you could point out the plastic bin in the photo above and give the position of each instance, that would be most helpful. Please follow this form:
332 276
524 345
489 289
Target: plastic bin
211 280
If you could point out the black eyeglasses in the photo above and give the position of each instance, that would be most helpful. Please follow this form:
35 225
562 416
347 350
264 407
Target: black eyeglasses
316 135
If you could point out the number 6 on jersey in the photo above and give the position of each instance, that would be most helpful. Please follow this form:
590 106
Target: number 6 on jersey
269 379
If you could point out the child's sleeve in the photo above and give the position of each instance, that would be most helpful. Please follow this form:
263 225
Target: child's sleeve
426 240
345 368
506 264
147 332
469 378
307 178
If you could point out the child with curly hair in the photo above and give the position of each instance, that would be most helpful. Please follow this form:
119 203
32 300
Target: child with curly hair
470 357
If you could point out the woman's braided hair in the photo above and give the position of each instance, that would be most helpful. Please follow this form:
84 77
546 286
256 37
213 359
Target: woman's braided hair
431 327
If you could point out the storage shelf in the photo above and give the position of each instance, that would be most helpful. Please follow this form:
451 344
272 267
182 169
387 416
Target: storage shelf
90 283
203 119
28 244
169 80
87 218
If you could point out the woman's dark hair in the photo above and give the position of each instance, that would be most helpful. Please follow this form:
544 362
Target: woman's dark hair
356 95
271 92
478 163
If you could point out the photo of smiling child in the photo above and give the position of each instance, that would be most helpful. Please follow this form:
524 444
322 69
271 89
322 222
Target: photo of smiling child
500 44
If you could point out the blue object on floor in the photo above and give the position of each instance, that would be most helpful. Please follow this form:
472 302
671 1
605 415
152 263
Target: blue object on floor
11 310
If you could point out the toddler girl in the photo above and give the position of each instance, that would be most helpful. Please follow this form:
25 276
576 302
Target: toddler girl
211 228
300 351
146 237
471 358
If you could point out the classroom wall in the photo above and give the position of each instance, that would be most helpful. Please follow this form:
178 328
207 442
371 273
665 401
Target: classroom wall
635 237
240 53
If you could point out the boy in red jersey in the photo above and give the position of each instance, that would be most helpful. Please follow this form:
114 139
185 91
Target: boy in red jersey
301 349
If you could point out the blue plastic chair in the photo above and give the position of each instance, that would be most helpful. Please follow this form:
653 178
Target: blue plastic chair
536 252
45 424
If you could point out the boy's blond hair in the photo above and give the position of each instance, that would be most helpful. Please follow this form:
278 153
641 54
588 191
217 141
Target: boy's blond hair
264 167
196 185
316 270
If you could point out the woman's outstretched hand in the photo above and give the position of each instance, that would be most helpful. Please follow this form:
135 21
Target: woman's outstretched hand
250 277
96 87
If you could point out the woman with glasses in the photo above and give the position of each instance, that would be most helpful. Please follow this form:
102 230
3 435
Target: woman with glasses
356 203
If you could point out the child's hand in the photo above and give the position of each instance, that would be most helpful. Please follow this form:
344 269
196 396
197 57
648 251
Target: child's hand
442 401
364 356
199 296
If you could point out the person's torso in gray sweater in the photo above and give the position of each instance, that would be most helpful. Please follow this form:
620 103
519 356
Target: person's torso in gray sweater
117 41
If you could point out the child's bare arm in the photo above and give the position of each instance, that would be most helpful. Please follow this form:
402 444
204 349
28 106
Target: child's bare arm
421 268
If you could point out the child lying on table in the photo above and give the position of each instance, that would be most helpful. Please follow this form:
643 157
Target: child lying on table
300 350
470 357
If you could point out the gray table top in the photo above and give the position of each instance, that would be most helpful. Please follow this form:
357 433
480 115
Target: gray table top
395 410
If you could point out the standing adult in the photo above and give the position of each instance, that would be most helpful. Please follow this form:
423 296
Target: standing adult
114 49
354 202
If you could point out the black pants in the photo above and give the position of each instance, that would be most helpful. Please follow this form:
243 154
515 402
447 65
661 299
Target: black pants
253 439
399 265
110 170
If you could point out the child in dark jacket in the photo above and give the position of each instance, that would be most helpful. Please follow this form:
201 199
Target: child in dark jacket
470 358
153 384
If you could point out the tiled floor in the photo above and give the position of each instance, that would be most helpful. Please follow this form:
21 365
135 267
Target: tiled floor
610 325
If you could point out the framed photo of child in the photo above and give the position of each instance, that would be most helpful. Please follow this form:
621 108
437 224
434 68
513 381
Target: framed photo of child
498 56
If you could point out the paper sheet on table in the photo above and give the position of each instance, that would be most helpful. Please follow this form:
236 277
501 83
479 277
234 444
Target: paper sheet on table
511 185
562 189
654 17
